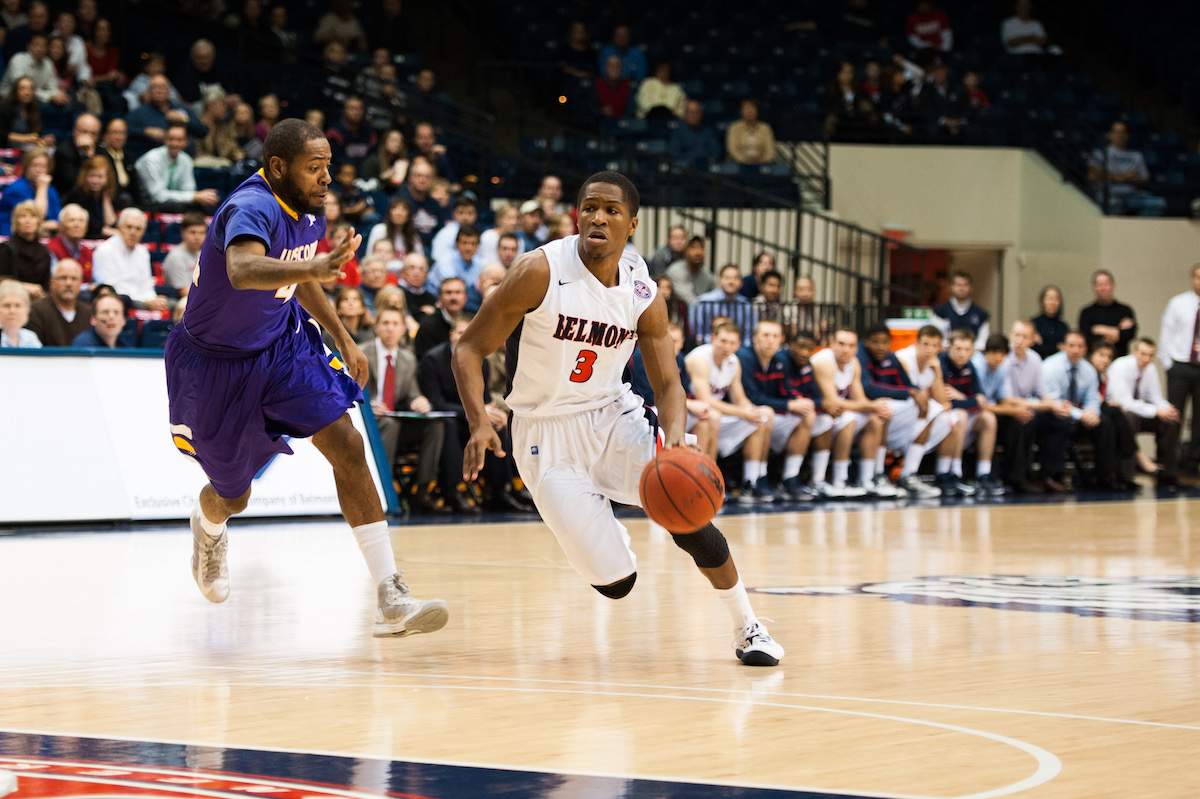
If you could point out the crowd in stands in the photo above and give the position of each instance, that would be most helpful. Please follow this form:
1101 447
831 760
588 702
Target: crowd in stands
106 214
110 178
893 71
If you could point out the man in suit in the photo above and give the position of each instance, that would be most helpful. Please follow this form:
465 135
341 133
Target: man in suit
71 153
437 382
435 327
112 147
392 386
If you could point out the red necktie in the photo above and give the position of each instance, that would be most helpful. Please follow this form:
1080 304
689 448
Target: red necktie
1196 339
389 385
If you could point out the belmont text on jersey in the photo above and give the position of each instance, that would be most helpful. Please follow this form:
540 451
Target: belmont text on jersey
568 354
597 334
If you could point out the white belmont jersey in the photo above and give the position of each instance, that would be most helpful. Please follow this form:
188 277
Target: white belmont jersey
843 376
720 376
568 354
921 378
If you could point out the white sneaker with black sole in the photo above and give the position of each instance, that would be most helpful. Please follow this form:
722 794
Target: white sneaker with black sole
209 567
400 613
754 647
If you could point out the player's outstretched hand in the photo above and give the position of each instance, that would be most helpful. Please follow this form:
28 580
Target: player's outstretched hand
328 266
482 440
356 363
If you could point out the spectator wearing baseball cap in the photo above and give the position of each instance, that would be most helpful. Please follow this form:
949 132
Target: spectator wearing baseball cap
530 220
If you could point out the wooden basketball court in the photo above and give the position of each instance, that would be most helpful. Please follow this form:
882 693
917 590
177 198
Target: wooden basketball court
1042 651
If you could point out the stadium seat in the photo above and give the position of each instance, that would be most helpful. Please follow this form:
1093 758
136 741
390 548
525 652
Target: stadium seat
154 334
129 336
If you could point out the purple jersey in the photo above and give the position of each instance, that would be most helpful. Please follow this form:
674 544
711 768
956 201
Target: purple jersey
248 320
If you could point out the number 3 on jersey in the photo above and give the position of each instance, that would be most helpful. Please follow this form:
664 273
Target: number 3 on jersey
583 366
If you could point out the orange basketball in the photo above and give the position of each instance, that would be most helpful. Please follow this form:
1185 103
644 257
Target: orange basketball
681 489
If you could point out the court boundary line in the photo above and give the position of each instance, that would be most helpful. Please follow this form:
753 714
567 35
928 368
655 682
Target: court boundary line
828 697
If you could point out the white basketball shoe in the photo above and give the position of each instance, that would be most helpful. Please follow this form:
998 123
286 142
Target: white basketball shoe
8 783
755 647
208 561
400 613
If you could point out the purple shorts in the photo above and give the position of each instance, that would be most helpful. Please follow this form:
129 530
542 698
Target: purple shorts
230 410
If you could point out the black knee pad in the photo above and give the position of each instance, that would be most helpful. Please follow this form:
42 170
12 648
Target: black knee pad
707 546
619 589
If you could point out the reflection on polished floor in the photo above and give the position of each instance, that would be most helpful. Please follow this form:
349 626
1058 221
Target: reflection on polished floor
1041 651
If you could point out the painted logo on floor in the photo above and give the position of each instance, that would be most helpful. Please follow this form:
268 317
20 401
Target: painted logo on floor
1141 598
60 778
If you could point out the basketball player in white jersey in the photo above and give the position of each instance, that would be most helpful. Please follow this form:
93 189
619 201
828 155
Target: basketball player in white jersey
839 377
716 377
948 432
572 311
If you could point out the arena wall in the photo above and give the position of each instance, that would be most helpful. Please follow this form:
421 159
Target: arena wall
88 439
1012 200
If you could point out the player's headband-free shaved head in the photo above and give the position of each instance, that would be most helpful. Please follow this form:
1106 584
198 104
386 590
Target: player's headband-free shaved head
288 139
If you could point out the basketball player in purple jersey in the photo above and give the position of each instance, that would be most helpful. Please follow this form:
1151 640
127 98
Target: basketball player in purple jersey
572 311
246 367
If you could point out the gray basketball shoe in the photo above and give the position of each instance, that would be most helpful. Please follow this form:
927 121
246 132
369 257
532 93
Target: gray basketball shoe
208 561
400 613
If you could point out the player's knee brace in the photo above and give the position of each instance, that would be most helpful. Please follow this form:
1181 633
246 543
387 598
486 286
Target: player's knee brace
619 589
707 546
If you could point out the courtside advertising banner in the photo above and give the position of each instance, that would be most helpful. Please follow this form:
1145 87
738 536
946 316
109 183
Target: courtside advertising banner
86 438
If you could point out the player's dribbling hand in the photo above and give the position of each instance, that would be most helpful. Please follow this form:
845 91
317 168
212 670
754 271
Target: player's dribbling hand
482 440
669 442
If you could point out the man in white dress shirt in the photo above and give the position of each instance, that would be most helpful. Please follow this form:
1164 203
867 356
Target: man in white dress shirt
1180 353
1133 384
123 262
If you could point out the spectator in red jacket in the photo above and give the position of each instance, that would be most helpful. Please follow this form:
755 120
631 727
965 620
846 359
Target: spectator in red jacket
612 91
929 28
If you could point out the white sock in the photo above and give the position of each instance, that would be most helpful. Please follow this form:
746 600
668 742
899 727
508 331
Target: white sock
376 545
841 469
820 465
866 471
943 466
956 467
881 460
983 468
749 471
213 531
791 466
737 602
912 459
